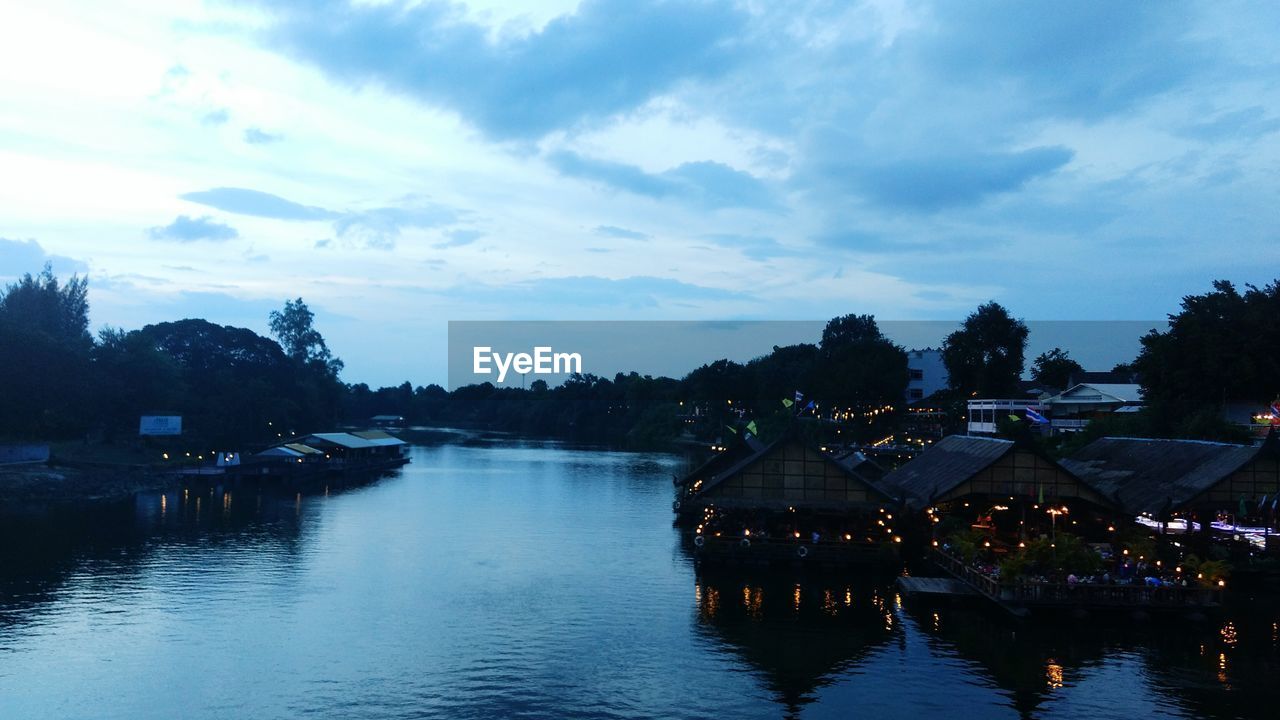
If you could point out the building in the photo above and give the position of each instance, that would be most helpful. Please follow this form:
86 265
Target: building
978 473
1199 481
788 501
1066 411
926 374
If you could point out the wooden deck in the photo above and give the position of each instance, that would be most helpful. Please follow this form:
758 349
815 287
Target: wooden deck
1021 597
938 587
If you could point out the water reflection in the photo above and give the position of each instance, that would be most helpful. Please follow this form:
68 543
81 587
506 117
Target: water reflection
506 578
797 635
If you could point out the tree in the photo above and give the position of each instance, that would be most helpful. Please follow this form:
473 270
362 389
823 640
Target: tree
849 329
986 355
40 304
294 328
1055 368
859 367
1220 348
44 357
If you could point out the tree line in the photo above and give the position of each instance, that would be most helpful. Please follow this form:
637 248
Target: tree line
234 387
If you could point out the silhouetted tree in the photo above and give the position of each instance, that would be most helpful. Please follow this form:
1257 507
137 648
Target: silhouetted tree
986 355
1055 368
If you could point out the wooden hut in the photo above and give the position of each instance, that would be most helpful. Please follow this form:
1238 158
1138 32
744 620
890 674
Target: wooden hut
962 468
789 500
1189 482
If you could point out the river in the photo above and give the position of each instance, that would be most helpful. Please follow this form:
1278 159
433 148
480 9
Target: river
500 578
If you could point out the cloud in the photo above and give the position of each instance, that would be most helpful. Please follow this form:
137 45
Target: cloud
242 201
375 228
379 228
257 136
756 247
1085 59
620 233
588 291
607 57
709 185
924 178
187 229
1248 123
19 257
458 238
216 117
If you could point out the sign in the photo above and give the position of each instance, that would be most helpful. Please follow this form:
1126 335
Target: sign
160 425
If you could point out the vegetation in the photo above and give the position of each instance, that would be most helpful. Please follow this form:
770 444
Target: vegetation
985 356
1045 557
234 387
1054 368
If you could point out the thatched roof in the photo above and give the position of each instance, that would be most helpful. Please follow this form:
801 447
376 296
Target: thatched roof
745 446
947 464
1147 475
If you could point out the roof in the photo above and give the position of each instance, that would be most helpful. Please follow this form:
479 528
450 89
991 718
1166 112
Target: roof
379 438
1093 377
790 435
1099 393
746 445
346 440
947 464
302 449
1155 475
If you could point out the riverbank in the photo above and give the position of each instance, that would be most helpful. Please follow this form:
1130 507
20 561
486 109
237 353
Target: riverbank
54 482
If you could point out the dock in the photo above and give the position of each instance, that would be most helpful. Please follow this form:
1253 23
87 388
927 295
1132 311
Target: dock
936 587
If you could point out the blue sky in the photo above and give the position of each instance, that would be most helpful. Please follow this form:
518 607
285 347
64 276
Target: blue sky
399 165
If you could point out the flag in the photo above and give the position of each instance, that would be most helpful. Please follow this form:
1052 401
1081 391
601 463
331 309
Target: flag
1036 417
731 429
799 396
1014 418
1275 409
786 402
751 428
809 406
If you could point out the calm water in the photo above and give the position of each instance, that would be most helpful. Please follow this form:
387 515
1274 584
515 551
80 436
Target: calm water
518 579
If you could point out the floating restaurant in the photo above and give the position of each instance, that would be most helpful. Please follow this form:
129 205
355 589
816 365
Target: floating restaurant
787 501
1029 532
328 453
1183 486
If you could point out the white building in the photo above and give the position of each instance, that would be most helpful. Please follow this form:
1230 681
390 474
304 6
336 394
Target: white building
926 374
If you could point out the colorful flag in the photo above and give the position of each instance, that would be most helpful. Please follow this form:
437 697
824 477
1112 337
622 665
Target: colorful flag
731 429
1014 418
1036 417
751 428
799 396
810 406
786 402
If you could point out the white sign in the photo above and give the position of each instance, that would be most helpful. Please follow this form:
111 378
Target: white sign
160 425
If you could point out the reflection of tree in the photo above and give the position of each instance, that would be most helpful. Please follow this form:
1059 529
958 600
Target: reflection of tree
1208 668
1223 668
1028 659
798 632
40 548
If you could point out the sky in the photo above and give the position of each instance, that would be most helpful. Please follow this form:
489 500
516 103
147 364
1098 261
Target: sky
402 164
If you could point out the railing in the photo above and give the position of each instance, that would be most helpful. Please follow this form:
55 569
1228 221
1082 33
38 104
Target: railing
762 548
1027 592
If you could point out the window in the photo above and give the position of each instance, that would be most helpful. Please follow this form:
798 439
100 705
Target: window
916 374
916 393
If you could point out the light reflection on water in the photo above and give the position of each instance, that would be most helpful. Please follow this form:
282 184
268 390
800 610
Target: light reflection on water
523 579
